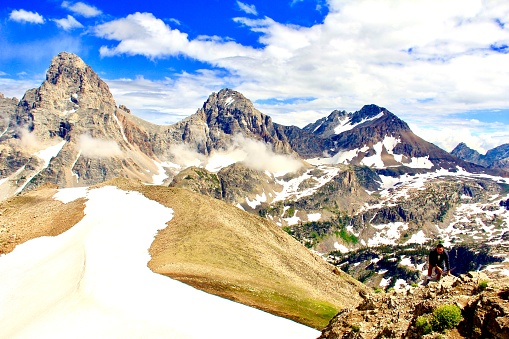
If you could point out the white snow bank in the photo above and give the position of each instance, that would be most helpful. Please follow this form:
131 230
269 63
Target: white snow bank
341 248
417 238
93 282
50 152
67 195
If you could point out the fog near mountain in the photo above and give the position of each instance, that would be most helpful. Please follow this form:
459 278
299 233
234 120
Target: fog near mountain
254 154
98 148
29 142
261 157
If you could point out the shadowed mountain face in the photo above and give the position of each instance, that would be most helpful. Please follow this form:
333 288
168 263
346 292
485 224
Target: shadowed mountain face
497 157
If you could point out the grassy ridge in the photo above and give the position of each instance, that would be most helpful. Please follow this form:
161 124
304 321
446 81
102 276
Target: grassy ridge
226 251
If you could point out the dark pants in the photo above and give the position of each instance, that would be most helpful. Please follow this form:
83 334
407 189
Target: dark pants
437 269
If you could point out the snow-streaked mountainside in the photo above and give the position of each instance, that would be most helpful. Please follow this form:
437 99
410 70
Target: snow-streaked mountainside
359 189
85 283
70 132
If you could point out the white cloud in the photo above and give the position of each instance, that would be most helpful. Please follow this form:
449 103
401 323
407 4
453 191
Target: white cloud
81 8
148 99
422 58
26 17
249 9
16 88
185 156
98 148
450 132
29 141
144 34
260 156
68 23
417 57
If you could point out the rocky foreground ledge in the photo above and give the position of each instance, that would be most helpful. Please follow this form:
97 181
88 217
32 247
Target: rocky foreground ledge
483 302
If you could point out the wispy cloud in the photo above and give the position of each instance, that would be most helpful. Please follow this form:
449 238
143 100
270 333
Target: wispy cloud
98 148
68 23
249 9
260 156
20 15
418 58
82 9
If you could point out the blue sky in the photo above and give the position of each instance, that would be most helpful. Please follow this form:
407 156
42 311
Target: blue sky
440 65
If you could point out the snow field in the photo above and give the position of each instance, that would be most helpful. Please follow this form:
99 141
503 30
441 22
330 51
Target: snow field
93 282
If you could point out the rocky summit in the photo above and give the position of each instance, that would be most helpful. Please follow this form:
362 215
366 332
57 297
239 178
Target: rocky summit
482 308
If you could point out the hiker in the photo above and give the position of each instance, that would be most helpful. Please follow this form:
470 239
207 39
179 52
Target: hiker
438 260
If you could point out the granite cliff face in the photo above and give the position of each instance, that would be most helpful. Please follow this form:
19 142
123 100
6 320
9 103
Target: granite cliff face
68 132
228 113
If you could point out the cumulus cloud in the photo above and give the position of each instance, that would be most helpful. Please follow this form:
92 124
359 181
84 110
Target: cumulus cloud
254 154
144 34
249 9
68 23
20 15
477 135
98 148
82 9
422 58
413 57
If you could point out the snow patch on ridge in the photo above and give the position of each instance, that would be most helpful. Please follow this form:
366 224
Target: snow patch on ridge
291 188
388 144
158 179
46 155
257 201
5 131
346 125
121 128
387 234
55 287
228 101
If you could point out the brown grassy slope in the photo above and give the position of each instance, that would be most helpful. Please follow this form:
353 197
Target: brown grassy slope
223 250
36 214
210 245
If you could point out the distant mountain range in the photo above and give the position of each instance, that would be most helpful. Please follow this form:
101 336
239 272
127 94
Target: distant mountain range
359 188
497 157
70 132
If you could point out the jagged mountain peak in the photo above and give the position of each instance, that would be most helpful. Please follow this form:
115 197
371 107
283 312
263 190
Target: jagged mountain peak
229 102
228 113
71 84
466 153
339 122
64 62
227 96
370 110
497 157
